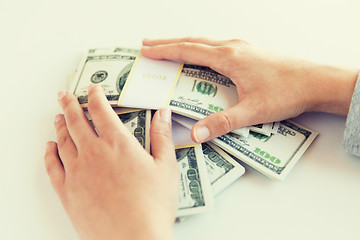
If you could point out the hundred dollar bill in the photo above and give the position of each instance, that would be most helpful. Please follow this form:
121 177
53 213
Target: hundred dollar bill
199 92
222 169
196 195
138 123
274 155
109 68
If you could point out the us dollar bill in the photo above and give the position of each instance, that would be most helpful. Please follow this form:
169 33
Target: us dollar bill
138 123
222 169
109 68
196 195
273 155
199 92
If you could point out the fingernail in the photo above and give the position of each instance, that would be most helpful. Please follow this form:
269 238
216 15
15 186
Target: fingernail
201 133
91 86
61 94
165 114
48 144
59 117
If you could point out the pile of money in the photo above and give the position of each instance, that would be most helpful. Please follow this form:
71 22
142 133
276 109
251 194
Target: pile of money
206 169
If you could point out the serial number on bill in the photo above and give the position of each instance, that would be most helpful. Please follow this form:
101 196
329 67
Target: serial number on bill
154 76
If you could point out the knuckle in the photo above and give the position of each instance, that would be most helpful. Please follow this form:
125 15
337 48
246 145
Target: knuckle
161 132
50 166
73 118
60 125
182 47
93 150
227 50
48 155
90 153
227 61
94 104
236 41
67 101
224 123
113 141
63 140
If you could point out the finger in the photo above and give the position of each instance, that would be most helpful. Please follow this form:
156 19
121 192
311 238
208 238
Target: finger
78 125
162 146
54 167
154 42
106 121
66 147
194 53
220 123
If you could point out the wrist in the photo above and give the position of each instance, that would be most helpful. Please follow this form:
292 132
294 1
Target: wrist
328 88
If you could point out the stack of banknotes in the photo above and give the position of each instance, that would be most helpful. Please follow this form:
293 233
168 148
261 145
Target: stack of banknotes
206 169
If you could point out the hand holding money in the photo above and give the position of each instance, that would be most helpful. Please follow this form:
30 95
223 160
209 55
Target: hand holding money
197 92
233 85
270 87
108 184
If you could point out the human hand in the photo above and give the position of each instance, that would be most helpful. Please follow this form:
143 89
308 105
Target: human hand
110 187
271 87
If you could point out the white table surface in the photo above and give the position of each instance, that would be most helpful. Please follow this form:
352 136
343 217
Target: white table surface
41 42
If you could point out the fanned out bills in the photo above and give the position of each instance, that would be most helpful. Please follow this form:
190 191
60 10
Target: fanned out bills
196 195
222 169
274 155
206 169
199 91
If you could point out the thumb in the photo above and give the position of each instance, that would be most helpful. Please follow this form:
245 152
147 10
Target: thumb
220 123
162 146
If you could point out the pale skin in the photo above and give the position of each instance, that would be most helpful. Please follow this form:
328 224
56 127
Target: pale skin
111 187
271 87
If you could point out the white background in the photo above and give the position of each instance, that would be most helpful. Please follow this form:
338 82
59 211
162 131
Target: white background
41 42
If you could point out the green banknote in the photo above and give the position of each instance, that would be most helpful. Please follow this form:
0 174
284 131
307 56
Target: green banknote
109 68
138 123
273 155
196 195
222 168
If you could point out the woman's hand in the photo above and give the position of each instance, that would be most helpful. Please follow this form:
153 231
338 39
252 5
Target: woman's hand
109 185
270 87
